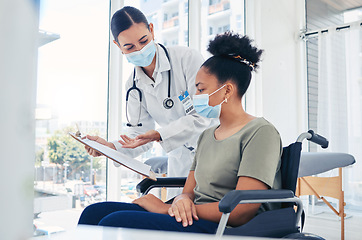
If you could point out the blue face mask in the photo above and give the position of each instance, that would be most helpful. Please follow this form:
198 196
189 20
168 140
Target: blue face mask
144 57
202 107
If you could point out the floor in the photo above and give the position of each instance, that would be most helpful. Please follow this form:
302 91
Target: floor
327 225
324 224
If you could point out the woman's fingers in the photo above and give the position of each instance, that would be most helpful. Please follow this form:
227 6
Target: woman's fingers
141 136
194 212
184 212
190 212
93 138
151 135
140 140
183 216
148 135
126 138
176 213
121 142
187 219
97 139
126 141
92 152
130 139
170 212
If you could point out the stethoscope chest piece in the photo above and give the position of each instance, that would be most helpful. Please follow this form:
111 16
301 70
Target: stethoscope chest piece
168 103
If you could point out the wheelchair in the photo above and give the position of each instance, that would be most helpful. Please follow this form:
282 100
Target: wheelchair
279 223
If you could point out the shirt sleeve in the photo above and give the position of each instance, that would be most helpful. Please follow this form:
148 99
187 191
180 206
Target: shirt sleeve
178 132
260 157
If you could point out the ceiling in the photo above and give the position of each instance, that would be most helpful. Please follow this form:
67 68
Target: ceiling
343 5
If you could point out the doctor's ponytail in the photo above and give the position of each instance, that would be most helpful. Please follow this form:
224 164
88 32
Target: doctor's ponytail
234 58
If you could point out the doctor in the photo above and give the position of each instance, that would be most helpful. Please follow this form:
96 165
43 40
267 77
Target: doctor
158 91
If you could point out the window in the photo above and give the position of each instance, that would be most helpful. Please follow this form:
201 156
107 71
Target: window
213 2
71 91
239 22
186 7
169 17
186 37
219 16
170 20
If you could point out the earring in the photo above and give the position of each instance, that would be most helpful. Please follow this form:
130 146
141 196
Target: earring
226 100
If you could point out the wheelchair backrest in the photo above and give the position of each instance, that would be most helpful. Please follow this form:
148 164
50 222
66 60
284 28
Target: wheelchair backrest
290 165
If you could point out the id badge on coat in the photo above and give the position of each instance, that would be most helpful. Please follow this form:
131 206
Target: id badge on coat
186 101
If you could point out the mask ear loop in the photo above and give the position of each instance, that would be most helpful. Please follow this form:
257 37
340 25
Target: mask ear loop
217 90
225 101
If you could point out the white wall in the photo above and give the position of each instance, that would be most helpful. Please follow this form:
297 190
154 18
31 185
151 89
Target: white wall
18 58
278 91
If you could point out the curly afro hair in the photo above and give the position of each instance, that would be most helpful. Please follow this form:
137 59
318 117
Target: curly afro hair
234 58
233 44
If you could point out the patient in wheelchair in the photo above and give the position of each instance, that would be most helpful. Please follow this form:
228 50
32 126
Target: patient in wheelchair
242 153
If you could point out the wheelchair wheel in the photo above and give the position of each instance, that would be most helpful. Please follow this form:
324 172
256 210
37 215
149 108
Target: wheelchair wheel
303 236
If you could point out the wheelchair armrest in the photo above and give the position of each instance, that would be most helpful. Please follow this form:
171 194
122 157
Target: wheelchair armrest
147 184
233 198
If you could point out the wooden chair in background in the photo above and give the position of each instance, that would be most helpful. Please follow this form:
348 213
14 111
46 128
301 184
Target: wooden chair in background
316 163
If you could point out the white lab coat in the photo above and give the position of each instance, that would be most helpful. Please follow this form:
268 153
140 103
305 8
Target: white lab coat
179 132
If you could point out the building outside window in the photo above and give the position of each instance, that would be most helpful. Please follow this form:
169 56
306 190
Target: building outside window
219 16
71 94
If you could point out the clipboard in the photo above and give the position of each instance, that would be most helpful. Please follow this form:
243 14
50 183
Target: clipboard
118 157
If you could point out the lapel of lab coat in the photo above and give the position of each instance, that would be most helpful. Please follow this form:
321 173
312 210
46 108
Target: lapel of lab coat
162 67
160 73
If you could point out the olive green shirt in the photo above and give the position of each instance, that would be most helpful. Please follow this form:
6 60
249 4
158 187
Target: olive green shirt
254 151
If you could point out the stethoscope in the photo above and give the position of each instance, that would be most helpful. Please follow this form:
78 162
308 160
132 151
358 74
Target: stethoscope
167 103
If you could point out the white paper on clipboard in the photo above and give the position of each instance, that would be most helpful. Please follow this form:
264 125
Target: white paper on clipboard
118 157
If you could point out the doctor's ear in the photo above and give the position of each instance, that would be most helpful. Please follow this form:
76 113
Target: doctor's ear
150 27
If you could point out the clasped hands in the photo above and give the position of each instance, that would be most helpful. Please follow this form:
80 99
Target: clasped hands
182 209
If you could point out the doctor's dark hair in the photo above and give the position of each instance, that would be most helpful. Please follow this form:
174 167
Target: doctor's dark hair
234 58
125 18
